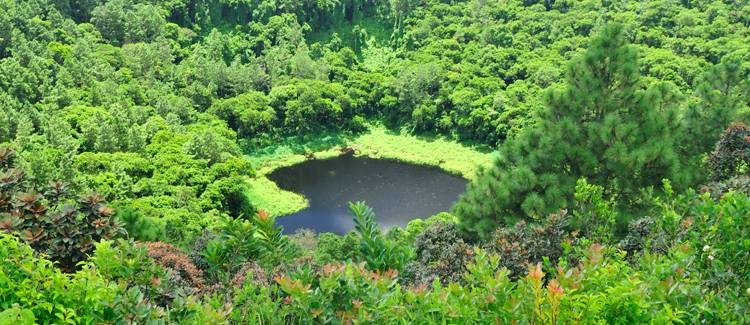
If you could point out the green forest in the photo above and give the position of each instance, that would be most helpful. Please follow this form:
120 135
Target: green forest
605 143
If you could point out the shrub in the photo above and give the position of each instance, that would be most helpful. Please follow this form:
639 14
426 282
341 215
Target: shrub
146 291
305 239
379 253
594 216
38 292
199 246
51 222
740 183
526 244
719 235
182 270
332 247
440 254
128 265
644 234
274 247
600 290
138 226
251 272
732 153
418 226
232 246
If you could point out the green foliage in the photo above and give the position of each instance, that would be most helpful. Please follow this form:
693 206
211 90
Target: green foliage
602 126
234 243
52 223
594 215
16 315
125 21
529 244
440 254
33 290
379 253
149 290
149 103
723 92
274 246
732 154
249 114
417 226
138 227
239 241
332 248
601 289
718 236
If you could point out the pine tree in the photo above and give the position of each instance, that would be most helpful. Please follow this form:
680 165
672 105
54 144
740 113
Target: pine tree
602 126
724 95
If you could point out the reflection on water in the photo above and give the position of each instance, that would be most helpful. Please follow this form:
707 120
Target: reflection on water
397 192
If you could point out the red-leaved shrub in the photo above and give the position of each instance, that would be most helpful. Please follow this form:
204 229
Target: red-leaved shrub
176 262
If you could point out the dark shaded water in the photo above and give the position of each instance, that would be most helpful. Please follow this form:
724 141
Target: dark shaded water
397 192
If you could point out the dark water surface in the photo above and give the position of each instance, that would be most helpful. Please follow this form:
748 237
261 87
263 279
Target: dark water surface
397 192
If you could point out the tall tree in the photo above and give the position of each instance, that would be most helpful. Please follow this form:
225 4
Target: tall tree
724 97
602 126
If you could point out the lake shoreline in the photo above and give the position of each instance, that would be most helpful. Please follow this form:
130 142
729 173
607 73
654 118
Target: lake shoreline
397 192
377 143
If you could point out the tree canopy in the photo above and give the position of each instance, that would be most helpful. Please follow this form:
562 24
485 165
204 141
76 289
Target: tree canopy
601 126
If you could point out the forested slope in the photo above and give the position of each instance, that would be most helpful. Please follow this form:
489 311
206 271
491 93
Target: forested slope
608 110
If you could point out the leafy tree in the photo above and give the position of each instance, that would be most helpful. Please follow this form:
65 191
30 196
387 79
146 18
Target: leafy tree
601 126
309 105
122 21
249 114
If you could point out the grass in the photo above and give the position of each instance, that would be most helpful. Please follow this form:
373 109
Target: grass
379 142
265 194
449 155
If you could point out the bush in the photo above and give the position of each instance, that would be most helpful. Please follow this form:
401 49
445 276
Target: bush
332 247
249 114
644 234
233 244
128 265
146 291
740 184
418 226
441 254
599 290
138 226
719 234
379 253
305 239
37 292
52 223
199 246
732 153
181 269
594 216
274 247
527 244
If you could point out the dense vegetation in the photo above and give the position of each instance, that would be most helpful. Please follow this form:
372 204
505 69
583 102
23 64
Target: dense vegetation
620 193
